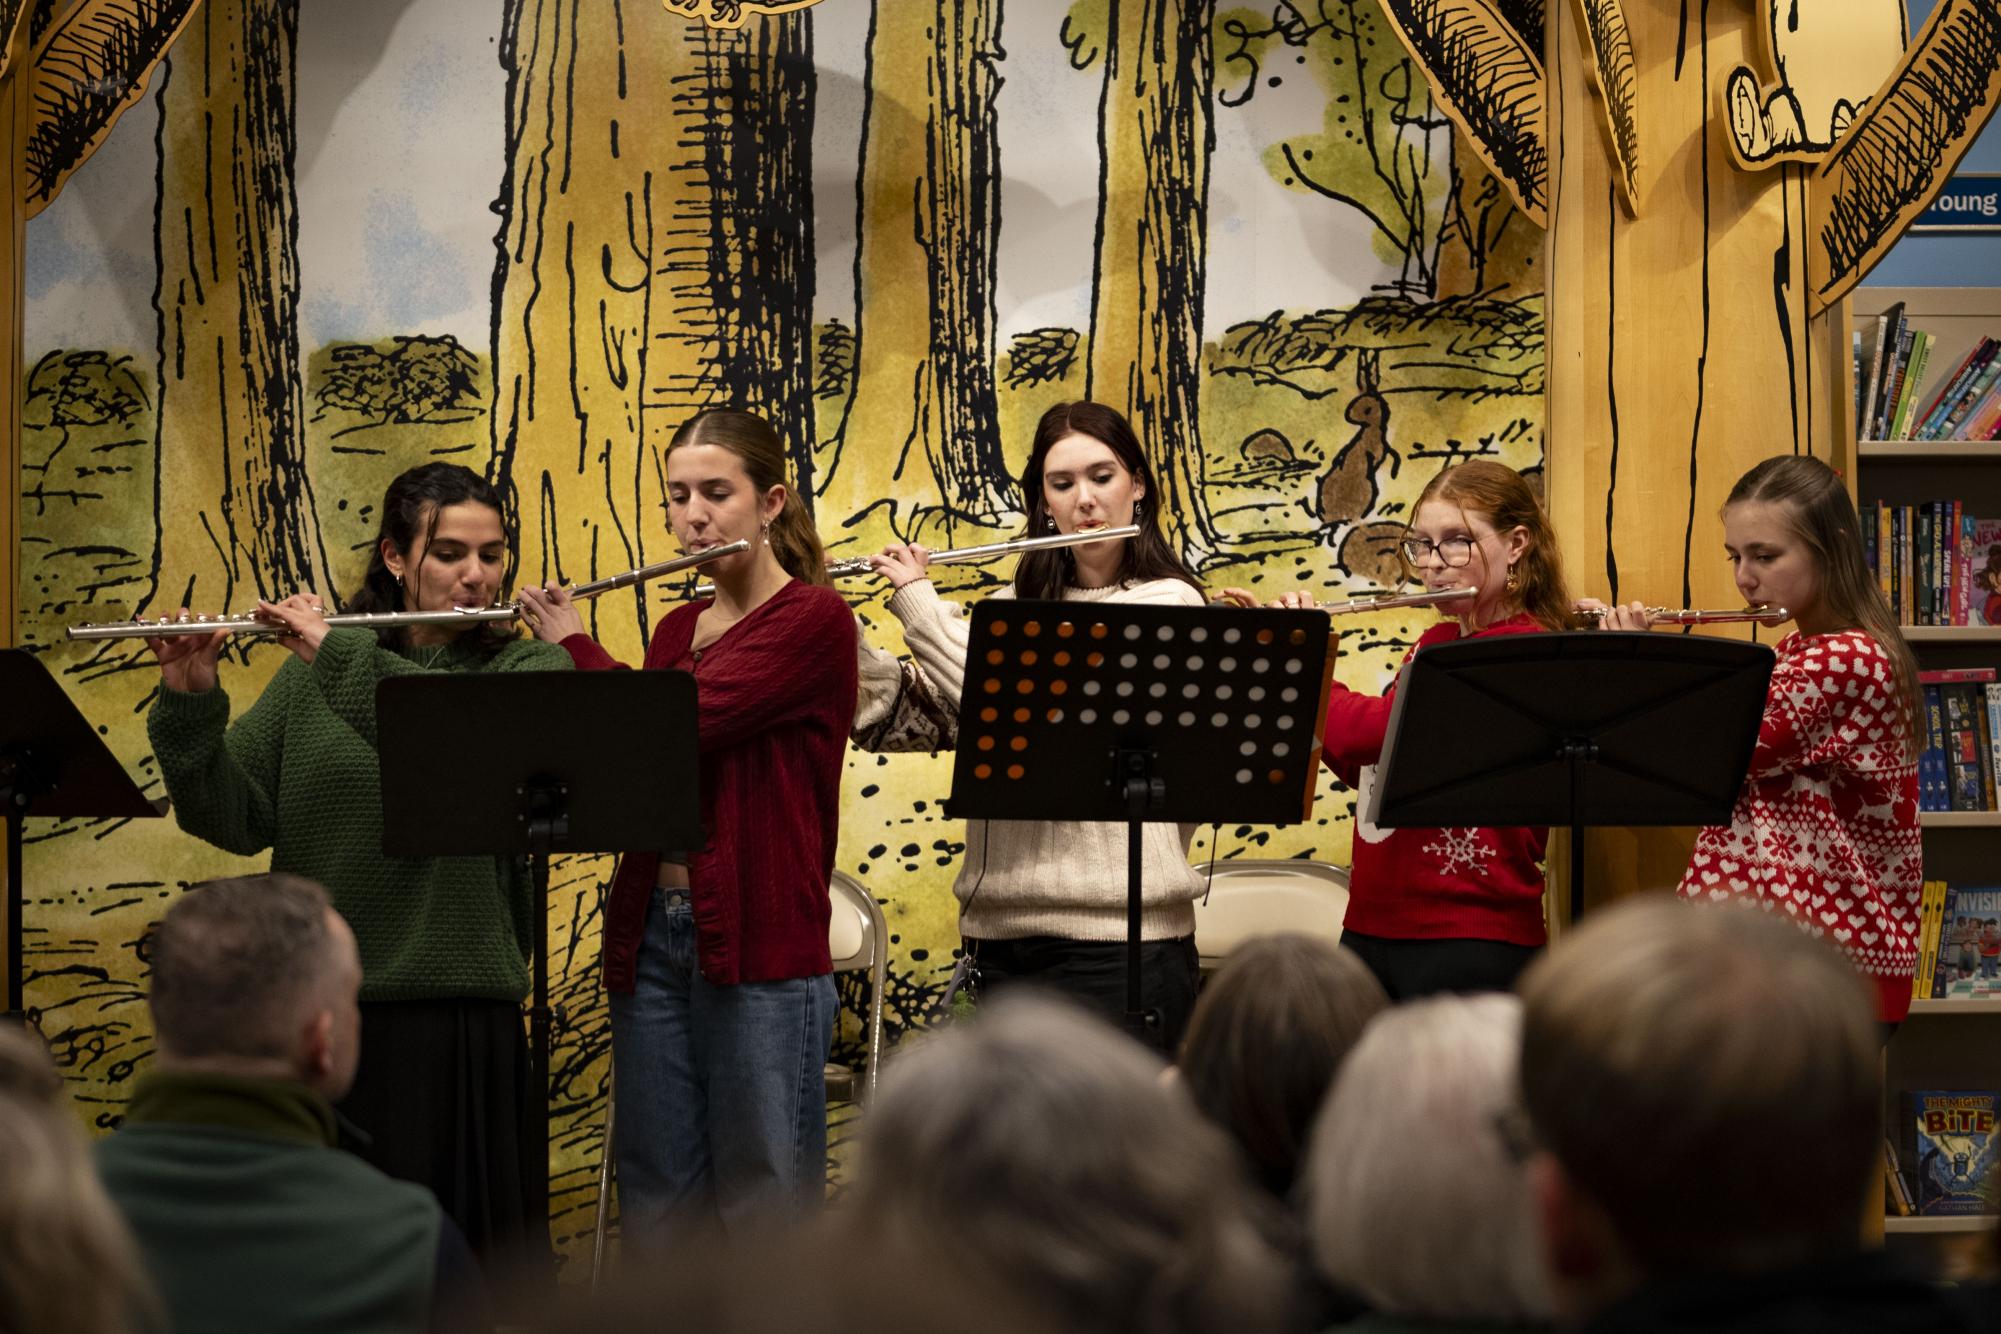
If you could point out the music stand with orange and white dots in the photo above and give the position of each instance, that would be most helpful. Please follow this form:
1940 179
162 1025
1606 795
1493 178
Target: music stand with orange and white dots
1140 713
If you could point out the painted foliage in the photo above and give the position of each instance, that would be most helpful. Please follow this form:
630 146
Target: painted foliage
902 230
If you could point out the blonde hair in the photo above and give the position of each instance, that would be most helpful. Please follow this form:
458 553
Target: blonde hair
1412 1199
1822 517
1669 1048
1482 486
794 539
68 1265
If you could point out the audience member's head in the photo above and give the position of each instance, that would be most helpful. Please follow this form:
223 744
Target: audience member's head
1414 1200
1045 1146
1705 1082
67 1263
1270 1030
257 976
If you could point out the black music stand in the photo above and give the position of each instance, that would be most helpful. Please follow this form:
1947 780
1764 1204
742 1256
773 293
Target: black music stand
507 763
52 766
1136 714
1590 728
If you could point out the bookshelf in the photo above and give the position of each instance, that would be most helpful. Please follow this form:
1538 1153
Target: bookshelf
1945 1044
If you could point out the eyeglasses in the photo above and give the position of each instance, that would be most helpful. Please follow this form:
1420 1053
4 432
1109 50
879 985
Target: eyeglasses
1453 551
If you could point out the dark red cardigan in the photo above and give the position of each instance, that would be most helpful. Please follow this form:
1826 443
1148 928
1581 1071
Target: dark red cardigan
776 696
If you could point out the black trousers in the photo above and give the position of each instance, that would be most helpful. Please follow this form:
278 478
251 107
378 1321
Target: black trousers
443 1095
1412 968
1092 973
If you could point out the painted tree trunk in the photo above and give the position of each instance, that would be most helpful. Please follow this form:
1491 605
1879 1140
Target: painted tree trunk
652 266
13 235
1155 140
1682 344
924 419
236 509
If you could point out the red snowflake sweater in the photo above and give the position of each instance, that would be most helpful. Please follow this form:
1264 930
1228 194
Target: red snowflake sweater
1826 828
1431 884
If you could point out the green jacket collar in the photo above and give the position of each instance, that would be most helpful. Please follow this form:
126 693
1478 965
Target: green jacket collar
274 1107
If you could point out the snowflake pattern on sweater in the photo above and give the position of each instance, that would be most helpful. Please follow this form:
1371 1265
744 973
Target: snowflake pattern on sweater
1826 829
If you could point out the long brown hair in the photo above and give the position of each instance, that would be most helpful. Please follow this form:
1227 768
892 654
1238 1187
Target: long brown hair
1821 516
1497 491
1045 574
794 540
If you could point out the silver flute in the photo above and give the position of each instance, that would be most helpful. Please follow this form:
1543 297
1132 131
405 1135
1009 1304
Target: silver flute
1380 601
1690 616
256 626
854 565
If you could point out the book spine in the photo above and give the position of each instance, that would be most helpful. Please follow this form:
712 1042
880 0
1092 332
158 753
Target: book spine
1892 335
1906 589
1993 693
1947 961
1978 703
1970 399
1864 405
1914 375
1976 362
1884 564
1947 384
1928 906
1932 782
1867 518
1925 567
1894 390
1962 748
1955 550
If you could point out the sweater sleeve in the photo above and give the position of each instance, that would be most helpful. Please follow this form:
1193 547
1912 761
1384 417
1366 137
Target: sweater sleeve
1803 728
223 779
937 632
1356 727
589 655
898 708
779 669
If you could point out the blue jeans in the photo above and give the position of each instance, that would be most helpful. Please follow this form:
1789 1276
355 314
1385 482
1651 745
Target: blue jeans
722 1098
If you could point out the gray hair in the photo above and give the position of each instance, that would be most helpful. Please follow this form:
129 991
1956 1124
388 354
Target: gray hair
1043 1141
1667 1047
1412 1198
235 964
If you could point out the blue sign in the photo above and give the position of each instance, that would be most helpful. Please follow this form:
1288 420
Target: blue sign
1970 203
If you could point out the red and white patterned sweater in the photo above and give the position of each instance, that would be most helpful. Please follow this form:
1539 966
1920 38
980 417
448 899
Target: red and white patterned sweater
1826 828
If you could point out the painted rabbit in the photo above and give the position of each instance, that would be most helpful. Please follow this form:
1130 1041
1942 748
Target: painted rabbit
1348 490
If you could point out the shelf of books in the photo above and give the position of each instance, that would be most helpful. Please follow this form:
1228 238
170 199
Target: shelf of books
1928 407
1965 1223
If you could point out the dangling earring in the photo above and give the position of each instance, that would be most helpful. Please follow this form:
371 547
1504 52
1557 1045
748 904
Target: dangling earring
1050 523
1139 511
766 530
1514 584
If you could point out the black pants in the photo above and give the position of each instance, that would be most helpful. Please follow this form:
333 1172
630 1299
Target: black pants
1092 973
1412 968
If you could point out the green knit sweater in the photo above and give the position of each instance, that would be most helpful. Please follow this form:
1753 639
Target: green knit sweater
298 774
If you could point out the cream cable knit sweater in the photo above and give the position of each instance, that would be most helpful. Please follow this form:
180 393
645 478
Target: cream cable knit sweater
1050 878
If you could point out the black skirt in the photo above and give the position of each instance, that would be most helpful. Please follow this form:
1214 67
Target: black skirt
443 1094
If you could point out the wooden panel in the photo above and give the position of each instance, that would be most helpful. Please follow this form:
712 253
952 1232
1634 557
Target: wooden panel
13 257
1682 346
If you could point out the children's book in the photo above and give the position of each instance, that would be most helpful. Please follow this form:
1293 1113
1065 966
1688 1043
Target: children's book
1952 1150
1982 569
1969 966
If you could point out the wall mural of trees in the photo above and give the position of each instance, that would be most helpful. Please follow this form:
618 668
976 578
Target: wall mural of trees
819 214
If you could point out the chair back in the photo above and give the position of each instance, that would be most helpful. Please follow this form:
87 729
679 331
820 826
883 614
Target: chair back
857 939
1257 897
